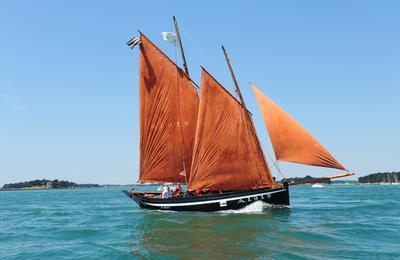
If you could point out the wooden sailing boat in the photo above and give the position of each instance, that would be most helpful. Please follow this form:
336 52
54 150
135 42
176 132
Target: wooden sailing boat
211 139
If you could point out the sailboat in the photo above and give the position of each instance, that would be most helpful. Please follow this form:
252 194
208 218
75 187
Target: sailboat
396 180
209 141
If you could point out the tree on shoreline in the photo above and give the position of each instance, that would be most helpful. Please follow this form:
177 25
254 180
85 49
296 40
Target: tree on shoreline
54 184
386 177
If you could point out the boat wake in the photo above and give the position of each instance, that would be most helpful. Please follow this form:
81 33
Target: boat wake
256 207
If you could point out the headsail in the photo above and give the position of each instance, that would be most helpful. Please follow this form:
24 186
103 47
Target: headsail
168 112
291 142
226 155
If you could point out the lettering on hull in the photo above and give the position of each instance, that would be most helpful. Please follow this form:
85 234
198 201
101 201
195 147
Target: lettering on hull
254 198
221 202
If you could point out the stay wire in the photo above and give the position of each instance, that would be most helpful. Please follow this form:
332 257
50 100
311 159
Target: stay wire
180 119
198 49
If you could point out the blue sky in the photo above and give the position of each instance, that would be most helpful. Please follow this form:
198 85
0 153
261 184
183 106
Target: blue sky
68 82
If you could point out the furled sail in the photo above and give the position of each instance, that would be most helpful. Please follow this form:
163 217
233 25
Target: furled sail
168 110
291 142
226 154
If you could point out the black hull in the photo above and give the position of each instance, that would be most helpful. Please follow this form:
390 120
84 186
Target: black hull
215 202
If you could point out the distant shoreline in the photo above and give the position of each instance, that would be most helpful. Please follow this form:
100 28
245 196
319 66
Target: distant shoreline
46 188
383 178
46 185
28 188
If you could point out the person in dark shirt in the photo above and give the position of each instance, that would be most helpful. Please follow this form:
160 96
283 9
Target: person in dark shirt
178 190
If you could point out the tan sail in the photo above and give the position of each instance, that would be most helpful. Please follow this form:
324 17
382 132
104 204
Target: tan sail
226 155
168 112
291 142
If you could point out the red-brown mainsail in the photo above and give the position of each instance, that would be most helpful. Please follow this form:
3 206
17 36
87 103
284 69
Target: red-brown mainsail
226 154
291 142
168 111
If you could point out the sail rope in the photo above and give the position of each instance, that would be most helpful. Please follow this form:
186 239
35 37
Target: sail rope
274 162
203 56
180 119
279 169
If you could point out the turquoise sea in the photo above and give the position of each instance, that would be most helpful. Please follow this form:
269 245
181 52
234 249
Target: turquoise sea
336 222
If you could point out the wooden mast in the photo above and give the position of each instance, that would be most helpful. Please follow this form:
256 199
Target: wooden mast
178 36
248 114
237 89
185 67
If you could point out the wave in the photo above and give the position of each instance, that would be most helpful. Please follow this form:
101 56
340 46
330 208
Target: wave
256 207
317 185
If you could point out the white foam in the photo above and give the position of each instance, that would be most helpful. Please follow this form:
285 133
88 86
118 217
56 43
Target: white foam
256 207
317 185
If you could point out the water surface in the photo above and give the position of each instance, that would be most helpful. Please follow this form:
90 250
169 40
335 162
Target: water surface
347 221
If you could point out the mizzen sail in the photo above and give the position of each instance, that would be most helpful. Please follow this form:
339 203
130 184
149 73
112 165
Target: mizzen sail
291 142
226 154
168 104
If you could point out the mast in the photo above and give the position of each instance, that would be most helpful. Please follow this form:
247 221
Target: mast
178 36
237 89
247 113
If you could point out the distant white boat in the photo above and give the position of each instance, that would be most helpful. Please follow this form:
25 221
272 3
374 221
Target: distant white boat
317 185
148 184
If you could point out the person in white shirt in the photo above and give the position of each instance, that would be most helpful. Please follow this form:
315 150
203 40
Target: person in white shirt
166 192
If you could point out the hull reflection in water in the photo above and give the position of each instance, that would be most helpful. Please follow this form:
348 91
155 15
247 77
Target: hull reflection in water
210 235
214 202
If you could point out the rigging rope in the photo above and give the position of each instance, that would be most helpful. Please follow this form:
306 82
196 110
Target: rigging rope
275 163
180 119
198 49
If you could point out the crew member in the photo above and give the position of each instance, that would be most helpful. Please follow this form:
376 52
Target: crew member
178 190
166 192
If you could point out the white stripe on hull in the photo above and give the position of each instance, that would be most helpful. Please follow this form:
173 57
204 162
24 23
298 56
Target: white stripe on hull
210 201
